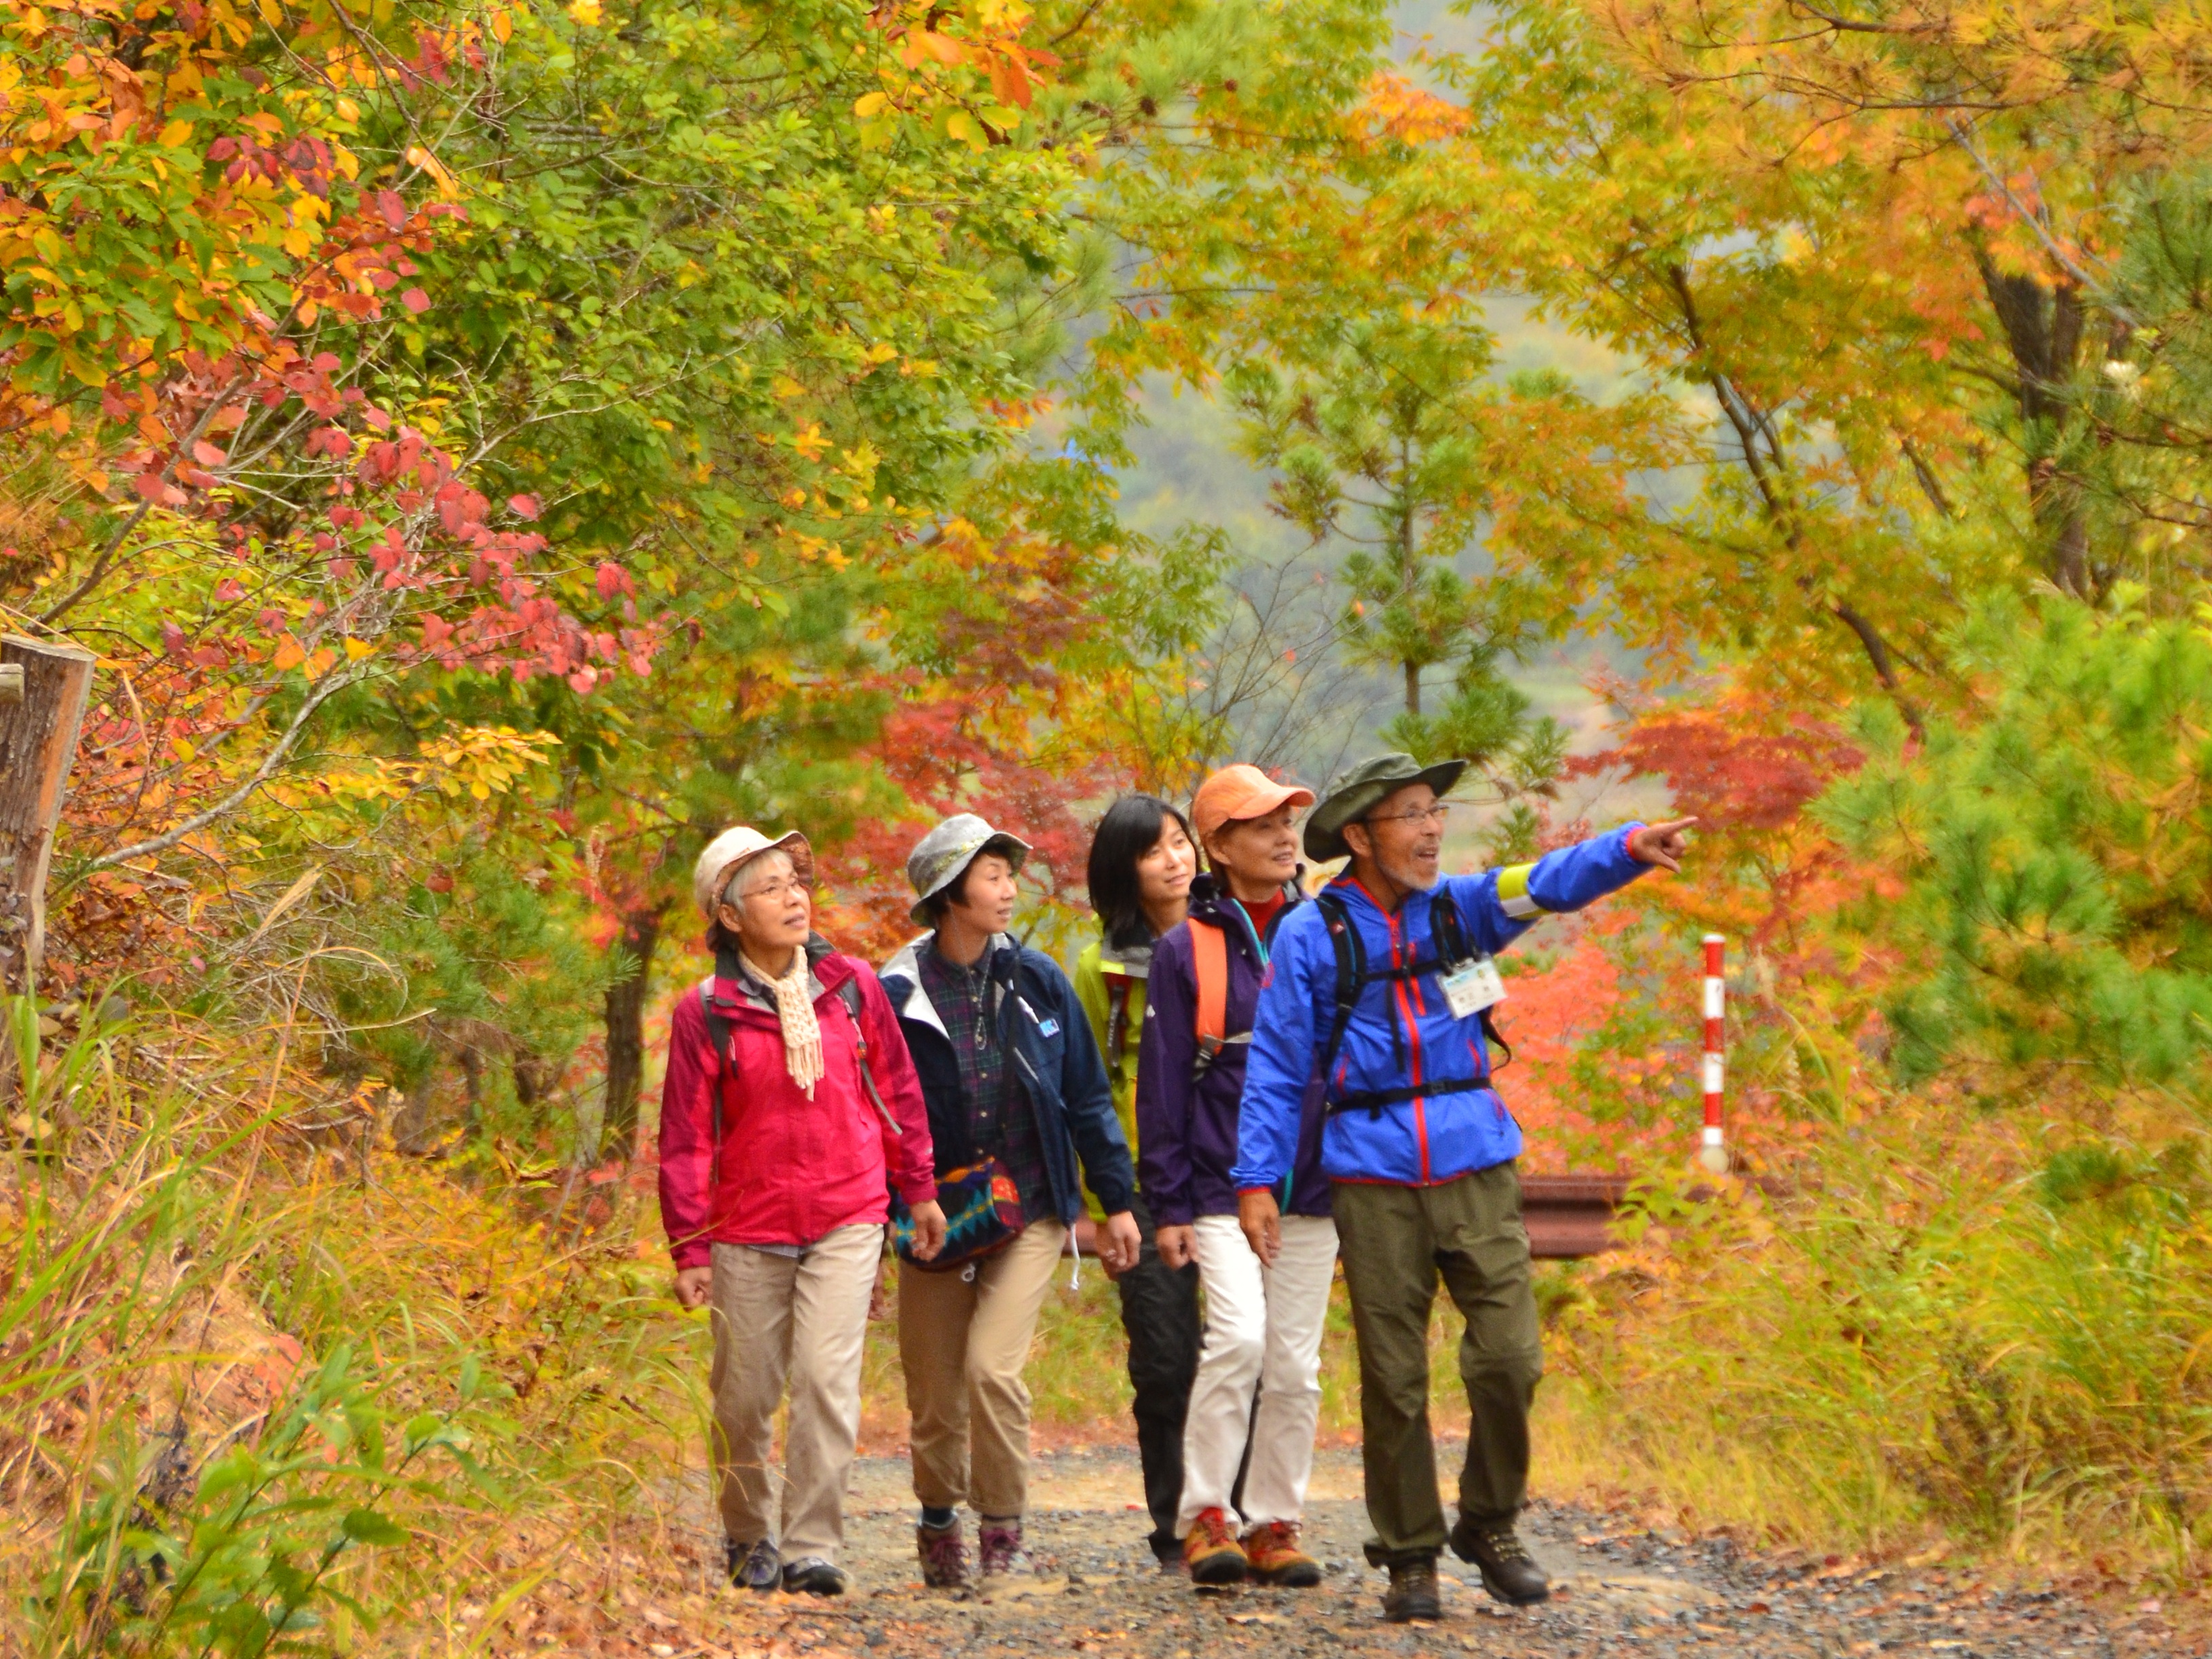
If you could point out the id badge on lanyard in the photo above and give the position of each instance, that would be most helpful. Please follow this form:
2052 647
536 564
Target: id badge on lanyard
1472 987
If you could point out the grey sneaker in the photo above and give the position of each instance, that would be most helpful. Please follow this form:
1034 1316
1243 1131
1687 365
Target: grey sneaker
999 1543
812 1576
753 1566
944 1554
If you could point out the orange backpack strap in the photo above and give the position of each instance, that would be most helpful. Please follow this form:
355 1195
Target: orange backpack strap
1209 956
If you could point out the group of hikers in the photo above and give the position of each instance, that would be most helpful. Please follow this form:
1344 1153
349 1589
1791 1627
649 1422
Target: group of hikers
1245 1084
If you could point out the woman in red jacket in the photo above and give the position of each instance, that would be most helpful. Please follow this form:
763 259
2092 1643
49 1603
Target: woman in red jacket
790 1109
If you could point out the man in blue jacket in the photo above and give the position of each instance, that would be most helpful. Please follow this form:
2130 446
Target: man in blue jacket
1384 986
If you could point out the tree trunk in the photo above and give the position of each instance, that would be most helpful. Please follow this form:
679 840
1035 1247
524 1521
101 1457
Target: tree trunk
625 1031
2043 325
1414 688
41 707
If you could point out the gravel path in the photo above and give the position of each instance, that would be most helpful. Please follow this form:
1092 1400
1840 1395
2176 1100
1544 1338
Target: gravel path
1621 1590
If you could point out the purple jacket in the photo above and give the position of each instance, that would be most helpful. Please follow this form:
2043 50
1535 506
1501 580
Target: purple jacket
1187 1131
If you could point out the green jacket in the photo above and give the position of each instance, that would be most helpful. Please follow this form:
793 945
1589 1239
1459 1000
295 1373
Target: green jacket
1110 985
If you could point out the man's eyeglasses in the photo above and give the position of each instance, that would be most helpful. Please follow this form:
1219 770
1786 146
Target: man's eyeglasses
1422 816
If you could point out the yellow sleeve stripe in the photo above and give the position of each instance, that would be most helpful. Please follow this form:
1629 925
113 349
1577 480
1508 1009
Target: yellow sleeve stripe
1513 892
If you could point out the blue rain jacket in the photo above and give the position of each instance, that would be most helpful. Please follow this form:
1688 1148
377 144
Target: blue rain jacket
1402 1031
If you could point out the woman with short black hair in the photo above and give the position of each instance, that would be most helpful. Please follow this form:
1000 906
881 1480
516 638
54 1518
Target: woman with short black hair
1142 859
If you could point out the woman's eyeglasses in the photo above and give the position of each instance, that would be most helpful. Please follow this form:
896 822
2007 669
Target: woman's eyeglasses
775 892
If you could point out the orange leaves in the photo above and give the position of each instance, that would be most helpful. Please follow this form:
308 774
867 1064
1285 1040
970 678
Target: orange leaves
967 75
1395 106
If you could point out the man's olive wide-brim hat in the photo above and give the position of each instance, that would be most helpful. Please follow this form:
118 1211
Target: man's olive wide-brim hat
1355 792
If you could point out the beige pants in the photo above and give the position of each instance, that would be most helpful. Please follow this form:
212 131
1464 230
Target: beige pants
804 1318
964 1341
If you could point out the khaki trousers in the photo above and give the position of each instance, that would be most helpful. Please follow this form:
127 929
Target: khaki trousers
804 1318
964 1339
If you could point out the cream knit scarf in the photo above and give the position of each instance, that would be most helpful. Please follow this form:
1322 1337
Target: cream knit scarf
795 1012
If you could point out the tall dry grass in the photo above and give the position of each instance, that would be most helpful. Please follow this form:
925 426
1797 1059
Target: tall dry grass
1964 1328
256 1392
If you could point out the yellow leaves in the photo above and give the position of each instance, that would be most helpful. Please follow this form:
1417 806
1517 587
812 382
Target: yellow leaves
809 441
869 105
175 136
359 650
502 25
584 14
786 388
474 763
449 188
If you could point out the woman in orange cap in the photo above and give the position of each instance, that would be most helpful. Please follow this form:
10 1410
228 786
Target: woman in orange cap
1263 1322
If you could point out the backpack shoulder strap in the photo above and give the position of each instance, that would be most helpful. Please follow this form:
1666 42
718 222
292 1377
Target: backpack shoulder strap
1350 971
1448 932
718 1040
849 994
1209 961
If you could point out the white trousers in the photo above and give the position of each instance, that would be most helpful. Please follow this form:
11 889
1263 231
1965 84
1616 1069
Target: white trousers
1263 1327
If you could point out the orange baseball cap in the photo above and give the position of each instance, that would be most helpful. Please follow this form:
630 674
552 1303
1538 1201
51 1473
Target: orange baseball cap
1241 792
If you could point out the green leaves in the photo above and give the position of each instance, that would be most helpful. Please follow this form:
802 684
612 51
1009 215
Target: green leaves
2056 856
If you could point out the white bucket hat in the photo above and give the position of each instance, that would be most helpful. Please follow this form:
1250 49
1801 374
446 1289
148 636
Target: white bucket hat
737 845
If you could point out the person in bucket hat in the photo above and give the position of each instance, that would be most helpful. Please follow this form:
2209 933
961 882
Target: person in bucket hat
790 1110
1382 989
1011 1076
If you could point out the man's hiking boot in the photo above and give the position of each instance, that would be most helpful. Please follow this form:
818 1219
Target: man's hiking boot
1412 1592
943 1555
1508 1572
1215 1557
1272 1549
753 1566
999 1547
810 1575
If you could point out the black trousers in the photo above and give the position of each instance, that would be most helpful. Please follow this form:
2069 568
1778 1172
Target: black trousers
1159 1310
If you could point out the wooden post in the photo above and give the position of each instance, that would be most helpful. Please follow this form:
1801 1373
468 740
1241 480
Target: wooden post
43 689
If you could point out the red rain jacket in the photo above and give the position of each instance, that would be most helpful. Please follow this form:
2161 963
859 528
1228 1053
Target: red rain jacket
788 1169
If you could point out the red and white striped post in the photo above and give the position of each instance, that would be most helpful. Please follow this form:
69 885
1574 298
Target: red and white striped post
1713 1154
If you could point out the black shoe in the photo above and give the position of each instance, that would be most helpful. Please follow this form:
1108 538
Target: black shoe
1412 1592
814 1577
753 1566
1508 1572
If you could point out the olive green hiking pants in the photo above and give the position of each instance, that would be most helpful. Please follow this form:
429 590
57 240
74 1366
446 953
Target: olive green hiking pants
1397 1242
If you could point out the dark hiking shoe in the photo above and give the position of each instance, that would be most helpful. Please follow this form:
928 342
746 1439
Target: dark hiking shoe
1412 1593
1508 1572
1273 1549
944 1554
810 1575
1210 1548
753 1566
